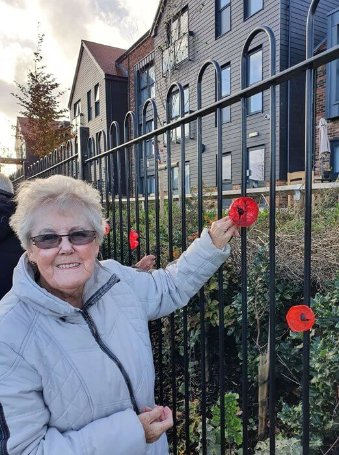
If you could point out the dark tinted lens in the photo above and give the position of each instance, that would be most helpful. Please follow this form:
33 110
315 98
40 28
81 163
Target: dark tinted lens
81 237
47 240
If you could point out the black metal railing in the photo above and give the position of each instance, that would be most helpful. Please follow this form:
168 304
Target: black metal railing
125 188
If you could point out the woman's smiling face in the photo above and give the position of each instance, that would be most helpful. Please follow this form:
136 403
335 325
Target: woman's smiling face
64 269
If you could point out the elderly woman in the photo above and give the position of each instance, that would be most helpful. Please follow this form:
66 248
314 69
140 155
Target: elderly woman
76 369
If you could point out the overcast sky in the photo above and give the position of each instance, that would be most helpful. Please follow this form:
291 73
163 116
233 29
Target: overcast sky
64 22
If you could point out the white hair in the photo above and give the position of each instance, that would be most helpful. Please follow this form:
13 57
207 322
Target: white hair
63 193
6 184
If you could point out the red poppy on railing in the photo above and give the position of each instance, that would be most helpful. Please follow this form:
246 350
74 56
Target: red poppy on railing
133 239
300 318
243 211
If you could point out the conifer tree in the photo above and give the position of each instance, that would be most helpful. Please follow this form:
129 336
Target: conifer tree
39 99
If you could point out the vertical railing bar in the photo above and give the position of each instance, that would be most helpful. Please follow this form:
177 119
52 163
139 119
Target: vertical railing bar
201 292
145 180
244 323
116 126
309 125
112 173
272 252
130 115
170 257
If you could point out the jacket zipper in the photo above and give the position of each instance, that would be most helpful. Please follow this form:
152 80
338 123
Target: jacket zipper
109 353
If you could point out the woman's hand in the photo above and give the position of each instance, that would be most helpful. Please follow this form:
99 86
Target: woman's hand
221 232
155 422
146 263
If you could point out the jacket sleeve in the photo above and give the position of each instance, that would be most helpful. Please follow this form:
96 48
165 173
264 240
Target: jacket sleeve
165 290
24 420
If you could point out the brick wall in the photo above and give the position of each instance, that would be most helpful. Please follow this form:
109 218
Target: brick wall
131 58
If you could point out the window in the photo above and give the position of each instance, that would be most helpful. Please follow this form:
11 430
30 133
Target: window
227 168
335 158
332 86
222 17
252 6
151 184
177 41
254 74
89 105
175 113
187 178
77 108
226 91
256 167
96 100
149 144
146 83
175 179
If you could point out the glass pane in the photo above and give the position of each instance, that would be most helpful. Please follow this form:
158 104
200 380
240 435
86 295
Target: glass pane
256 164
226 114
336 77
227 167
225 20
143 95
151 75
175 107
174 30
255 67
143 78
223 3
254 6
167 60
226 81
184 23
336 159
152 91
175 180
187 179
150 184
255 103
181 48
186 100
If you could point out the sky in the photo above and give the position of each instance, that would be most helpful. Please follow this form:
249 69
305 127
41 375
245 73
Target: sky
64 23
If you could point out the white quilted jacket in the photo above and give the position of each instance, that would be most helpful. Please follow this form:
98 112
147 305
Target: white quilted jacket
60 393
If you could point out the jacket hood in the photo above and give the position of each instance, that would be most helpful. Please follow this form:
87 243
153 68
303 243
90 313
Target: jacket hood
7 208
28 290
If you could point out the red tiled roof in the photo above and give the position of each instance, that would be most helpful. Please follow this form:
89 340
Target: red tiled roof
105 57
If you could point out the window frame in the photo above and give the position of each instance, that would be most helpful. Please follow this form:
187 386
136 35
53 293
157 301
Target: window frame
248 84
227 108
218 13
89 106
97 100
334 143
176 133
226 183
174 54
247 15
77 108
256 183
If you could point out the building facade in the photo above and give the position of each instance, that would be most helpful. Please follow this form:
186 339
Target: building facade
98 97
189 33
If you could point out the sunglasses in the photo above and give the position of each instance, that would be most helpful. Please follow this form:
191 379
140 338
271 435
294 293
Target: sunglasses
46 241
